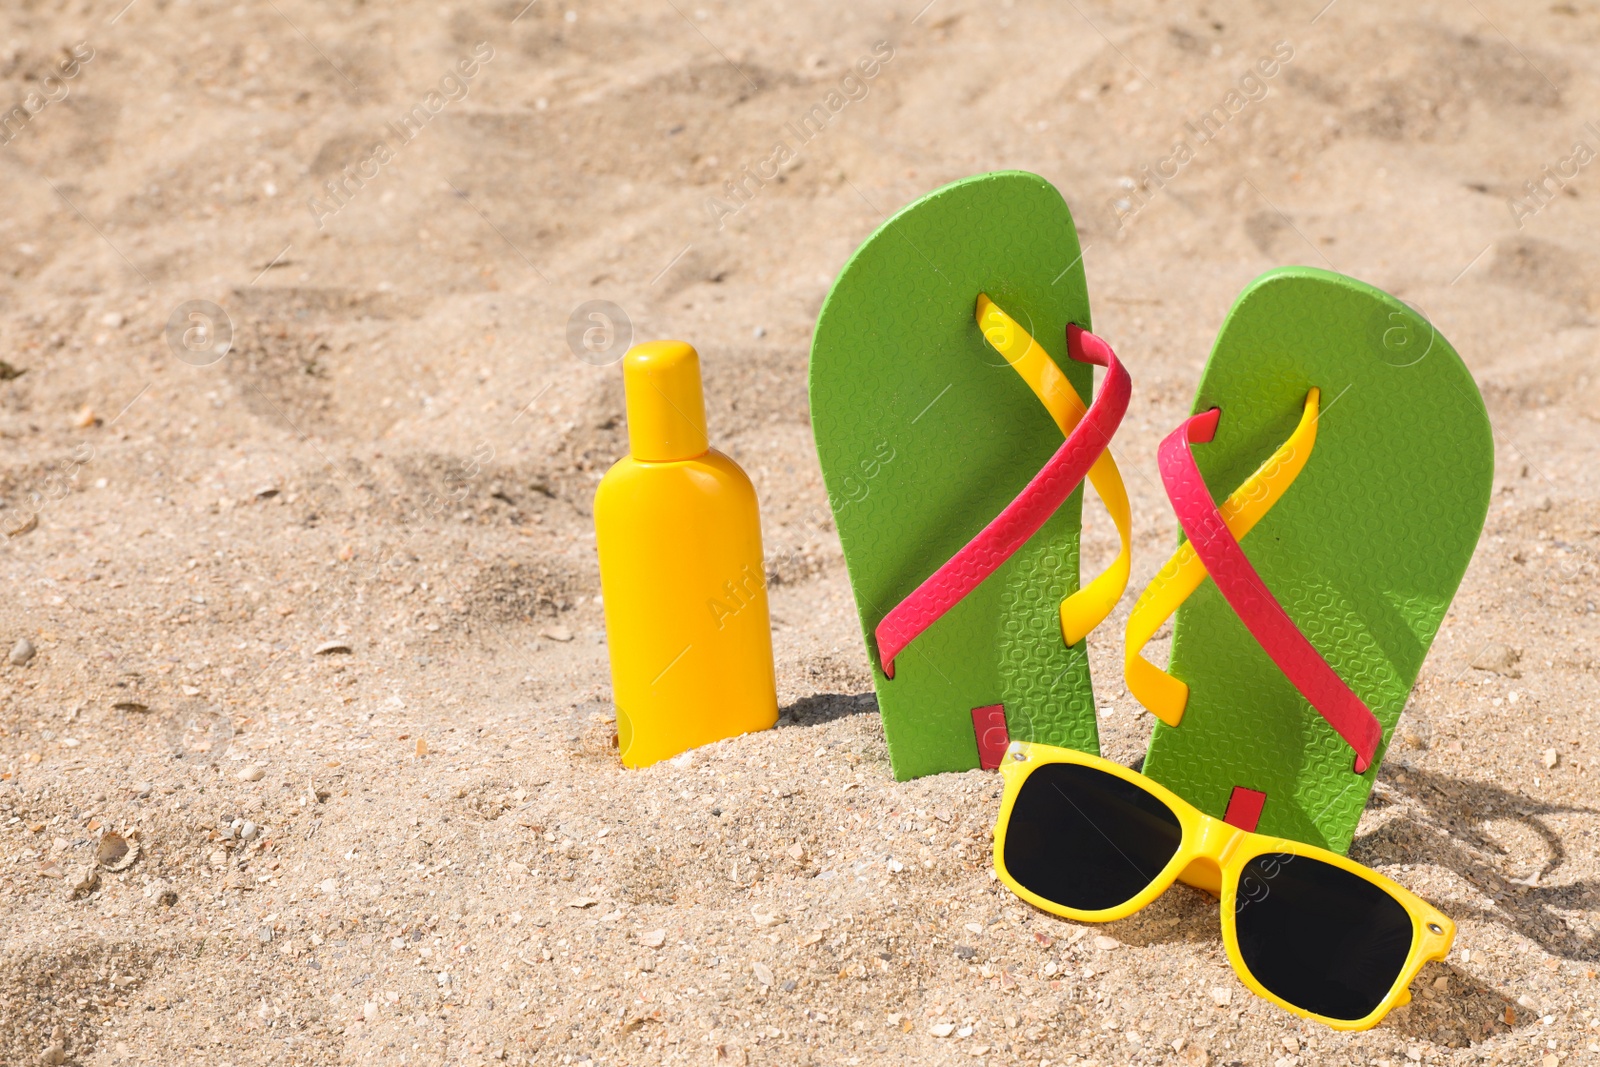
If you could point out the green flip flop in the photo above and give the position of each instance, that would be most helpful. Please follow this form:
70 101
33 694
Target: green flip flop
1295 648
953 441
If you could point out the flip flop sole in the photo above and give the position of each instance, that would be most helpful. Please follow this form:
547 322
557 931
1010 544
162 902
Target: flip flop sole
924 434
1364 551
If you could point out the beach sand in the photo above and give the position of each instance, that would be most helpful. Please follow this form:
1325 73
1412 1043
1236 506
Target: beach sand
393 461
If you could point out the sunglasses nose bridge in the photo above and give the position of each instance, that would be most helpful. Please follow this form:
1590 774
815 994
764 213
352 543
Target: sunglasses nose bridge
1204 874
1209 847
1215 840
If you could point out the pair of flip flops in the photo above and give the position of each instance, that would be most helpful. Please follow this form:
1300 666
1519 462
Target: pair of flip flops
1330 488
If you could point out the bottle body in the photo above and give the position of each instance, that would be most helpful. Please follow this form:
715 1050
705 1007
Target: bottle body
684 589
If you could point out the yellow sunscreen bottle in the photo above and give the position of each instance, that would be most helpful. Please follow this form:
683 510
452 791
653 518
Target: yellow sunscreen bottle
681 574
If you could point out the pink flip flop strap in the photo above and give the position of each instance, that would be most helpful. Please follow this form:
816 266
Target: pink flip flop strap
1249 596
1021 519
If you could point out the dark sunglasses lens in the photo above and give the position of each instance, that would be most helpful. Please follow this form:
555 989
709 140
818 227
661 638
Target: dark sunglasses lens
1086 839
1318 936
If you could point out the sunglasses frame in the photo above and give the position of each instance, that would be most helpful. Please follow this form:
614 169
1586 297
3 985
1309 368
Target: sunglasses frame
1211 856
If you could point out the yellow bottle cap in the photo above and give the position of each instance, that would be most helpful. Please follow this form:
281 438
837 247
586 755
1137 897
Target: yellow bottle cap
666 410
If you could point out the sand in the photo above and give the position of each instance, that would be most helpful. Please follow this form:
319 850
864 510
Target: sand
396 452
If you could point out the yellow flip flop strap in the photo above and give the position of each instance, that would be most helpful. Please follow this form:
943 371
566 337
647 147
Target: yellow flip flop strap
1158 691
1089 606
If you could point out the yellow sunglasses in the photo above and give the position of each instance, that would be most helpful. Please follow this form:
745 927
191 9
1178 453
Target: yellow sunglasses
1308 929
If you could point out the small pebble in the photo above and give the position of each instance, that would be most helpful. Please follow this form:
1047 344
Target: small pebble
942 1029
253 773
21 652
1221 997
85 418
264 935
422 747
763 974
1497 658
557 633
112 319
85 881
1550 758
249 831
653 939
